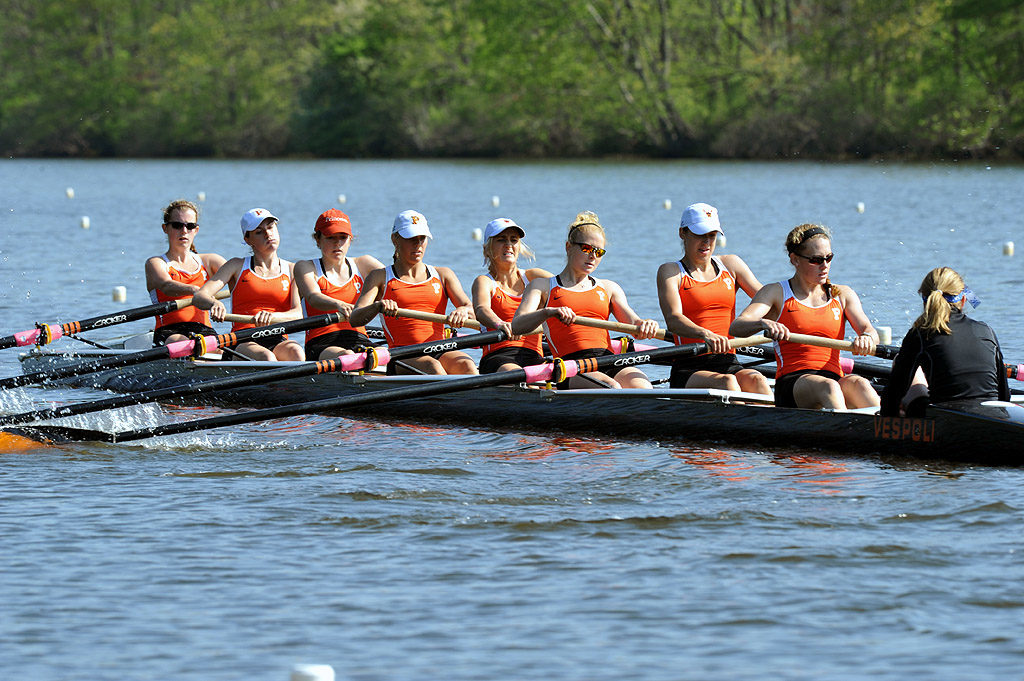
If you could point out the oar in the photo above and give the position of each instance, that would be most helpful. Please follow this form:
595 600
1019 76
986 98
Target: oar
441 319
47 333
555 371
186 348
355 362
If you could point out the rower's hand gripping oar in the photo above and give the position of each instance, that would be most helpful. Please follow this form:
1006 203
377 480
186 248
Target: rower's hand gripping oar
44 334
558 370
360 361
186 348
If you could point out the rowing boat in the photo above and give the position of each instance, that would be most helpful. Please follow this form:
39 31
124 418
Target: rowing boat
983 432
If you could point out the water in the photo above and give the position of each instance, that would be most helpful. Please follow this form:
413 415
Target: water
394 550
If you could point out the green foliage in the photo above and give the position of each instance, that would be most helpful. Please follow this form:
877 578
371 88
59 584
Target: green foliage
734 78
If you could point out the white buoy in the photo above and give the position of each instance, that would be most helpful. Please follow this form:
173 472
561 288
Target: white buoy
201 196
720 241
478 234
84 222
860 206
312 672
884 335
495 201
667 203
1008 248
119 295
342 198
70 191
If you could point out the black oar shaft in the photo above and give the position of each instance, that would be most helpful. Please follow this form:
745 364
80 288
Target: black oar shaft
103 320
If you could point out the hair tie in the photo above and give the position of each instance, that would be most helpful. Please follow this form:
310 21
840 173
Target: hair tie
967 294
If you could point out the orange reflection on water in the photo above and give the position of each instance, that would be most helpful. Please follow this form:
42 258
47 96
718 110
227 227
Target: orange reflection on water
828 474
716 461
553 446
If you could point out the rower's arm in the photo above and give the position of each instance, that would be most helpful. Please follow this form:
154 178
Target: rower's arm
482 289
309 290
368 305
457 295
672 310
205 299
296 310
867 338
532 313
646 328
753 320
158 278
743 274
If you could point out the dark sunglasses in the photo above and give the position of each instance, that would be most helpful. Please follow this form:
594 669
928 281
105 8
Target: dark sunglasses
183 225
817 259
588 249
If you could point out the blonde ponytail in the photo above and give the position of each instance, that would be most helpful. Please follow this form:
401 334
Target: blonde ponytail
586 221
936 285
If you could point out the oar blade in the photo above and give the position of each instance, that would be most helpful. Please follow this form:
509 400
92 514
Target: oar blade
31 437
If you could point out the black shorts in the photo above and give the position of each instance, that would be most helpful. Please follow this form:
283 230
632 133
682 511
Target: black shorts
524 357
685 367
784 385
185 328
591 354
345 338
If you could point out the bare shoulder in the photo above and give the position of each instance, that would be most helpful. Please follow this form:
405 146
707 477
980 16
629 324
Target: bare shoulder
538 273
733 262
367 263
303 267
668 270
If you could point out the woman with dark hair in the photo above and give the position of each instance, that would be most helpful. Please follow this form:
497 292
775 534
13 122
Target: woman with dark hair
946 355
179 273
808 376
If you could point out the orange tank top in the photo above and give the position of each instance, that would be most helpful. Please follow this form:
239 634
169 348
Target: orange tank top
592 302
711 304
347 293
253 293
827 321
504 305
425 296
196 277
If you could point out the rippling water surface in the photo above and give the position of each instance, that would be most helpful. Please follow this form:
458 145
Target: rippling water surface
402 550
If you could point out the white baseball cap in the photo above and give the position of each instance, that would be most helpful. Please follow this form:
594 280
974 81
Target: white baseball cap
700 218
499 225
410 223
254 218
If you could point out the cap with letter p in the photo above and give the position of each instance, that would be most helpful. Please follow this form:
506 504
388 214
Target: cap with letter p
701 218
252 219
411 223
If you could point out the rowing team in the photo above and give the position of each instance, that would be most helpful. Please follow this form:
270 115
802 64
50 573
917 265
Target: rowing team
945 356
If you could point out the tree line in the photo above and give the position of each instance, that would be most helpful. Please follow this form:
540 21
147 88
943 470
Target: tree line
503 78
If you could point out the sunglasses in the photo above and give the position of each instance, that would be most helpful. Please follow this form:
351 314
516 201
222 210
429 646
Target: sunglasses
590 250
190 226
817 259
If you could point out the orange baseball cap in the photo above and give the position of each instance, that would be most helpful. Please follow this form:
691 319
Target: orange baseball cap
333 222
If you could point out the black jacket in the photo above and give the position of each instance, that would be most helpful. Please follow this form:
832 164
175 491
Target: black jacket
964 364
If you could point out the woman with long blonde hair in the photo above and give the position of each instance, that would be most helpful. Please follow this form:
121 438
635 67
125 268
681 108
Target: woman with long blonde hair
497 294
808 376
946 355
555 302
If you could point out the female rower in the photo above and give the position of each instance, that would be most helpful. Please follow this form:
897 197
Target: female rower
179 273
411 284
497 294
958 358
332 283
697 294
555 302
261 285
810 376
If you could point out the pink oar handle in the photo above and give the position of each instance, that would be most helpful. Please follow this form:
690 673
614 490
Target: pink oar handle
27 337
1015 372
184 348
